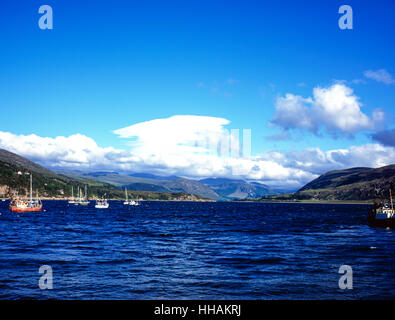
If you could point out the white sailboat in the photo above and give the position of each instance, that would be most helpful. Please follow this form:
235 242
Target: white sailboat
83 201
72 201
126 197
130 202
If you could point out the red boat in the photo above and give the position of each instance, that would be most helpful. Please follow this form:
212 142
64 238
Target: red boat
17 205
25 205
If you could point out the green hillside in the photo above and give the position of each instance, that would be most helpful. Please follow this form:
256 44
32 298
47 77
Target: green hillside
15 177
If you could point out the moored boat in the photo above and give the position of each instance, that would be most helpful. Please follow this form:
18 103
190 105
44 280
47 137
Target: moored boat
126 197
383 214
30 205
25 205
102 204
82 200
134 203
72 201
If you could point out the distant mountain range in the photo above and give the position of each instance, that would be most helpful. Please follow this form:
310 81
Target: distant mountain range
350 184
237 189
212 188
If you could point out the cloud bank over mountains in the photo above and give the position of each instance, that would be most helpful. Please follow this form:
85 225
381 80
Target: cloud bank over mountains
184 145
191 146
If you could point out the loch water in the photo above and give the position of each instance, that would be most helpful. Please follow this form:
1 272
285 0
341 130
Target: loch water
195 250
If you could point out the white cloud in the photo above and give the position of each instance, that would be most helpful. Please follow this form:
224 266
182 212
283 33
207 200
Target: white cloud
335 109
177 135
381 75
339 109
187 146
75 151
292 112
317 161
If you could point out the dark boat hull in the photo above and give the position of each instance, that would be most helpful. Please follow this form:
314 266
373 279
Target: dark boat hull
382 223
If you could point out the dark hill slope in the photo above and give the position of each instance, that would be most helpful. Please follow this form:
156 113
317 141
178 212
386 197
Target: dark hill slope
359 184
351 184
16 160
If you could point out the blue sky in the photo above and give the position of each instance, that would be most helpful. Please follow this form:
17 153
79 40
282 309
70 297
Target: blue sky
109 65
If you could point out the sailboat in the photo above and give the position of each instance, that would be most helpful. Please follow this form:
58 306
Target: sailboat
72 201
126 197
131 202
77 202
83 201
17 205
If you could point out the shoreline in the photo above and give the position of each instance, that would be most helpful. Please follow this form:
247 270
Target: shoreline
174 200
367 202
364 202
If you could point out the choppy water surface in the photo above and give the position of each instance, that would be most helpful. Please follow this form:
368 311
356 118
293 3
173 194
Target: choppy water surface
180 250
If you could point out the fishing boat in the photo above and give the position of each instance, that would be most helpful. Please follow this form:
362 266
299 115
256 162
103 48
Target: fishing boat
30 205
102 204
383 214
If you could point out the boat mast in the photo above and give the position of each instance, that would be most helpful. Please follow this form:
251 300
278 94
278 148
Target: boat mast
31 187
72 193
392 204
126 194
86 194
